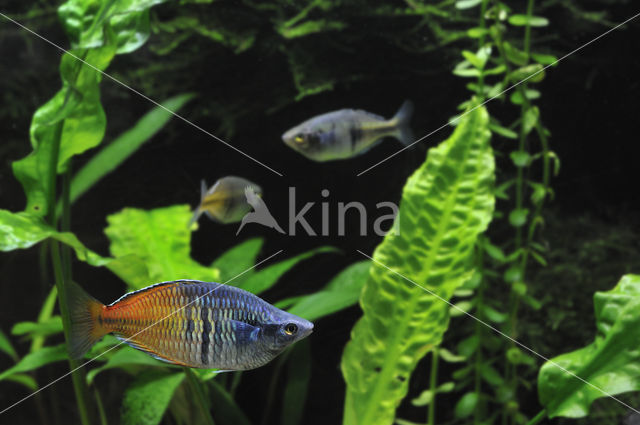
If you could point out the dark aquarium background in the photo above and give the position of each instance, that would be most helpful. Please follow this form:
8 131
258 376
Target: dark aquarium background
529 266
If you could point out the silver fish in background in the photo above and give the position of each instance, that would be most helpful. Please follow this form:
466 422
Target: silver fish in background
225 201
348 132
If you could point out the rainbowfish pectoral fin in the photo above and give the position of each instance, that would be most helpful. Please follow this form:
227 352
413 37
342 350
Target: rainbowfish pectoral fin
401 121
86 324
244 332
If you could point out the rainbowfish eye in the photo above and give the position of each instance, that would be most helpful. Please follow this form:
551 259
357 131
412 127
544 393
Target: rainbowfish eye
290 329
298 139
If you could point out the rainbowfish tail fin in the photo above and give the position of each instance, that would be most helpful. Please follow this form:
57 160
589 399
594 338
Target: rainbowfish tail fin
198 212
401 122
86 328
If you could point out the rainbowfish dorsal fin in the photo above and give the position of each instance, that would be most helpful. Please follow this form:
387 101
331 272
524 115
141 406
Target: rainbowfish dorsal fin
154 287
203 190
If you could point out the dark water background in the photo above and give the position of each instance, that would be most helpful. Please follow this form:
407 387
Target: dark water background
589 102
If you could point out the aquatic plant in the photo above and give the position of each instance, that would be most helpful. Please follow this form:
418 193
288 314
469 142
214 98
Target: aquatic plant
449 255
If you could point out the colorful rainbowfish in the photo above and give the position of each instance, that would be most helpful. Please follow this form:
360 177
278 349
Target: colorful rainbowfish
188 323
225 201
348 132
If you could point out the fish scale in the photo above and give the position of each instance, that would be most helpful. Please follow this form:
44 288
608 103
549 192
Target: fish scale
190 323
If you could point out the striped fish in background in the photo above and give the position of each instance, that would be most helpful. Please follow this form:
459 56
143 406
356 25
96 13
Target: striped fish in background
188 323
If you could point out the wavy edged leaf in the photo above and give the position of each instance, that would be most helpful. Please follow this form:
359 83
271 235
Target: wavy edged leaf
611 363
226 410
69 123
445 205
148 397
160 239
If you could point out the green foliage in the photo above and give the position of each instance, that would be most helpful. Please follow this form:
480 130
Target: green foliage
226 411
236 266
341 292
148 397
70 123
609 364
160 239
6 347
447 202
125 358
38 359
297 385
124 146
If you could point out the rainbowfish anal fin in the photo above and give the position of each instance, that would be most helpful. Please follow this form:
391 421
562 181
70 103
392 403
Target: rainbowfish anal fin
147 350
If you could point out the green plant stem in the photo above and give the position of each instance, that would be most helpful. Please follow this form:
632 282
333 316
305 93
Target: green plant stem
483 11
479 328
433 386
197 390
78 378
272 386
539 417
61 275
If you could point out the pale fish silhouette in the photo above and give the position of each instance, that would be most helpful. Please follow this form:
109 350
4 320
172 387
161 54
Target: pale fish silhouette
260 215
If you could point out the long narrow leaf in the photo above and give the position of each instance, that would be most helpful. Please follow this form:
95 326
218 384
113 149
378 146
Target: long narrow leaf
445 205
343 291
112 155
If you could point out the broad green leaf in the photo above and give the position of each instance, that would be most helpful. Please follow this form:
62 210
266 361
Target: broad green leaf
225 411
23 230
125 21
239 258
257 281
530 119
520 158
297 383
610 365
515 55
518 217
466 405
37 359
161 240
445 205
125 358
544 59
533 73
6 347
51 326
343 291
467 4
112 155
522 20
148 396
